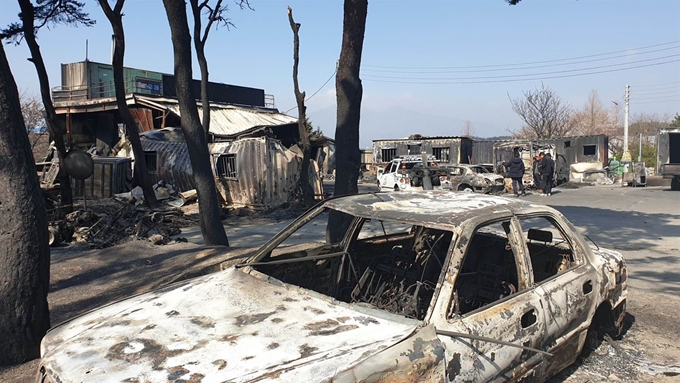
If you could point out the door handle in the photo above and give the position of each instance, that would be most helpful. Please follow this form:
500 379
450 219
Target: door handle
529 318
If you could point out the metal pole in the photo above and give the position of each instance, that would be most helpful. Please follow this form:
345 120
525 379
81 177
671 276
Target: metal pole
640 150
626 153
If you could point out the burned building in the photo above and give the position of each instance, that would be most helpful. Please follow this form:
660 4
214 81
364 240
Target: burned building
448 150
86 102
255 157
589 151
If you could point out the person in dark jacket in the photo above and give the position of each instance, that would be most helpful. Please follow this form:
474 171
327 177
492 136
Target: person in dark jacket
516 172
537 174
547 169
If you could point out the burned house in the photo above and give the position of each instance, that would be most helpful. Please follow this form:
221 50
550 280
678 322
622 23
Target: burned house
448 150
571 154
254 152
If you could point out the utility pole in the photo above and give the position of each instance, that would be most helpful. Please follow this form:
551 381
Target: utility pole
626 153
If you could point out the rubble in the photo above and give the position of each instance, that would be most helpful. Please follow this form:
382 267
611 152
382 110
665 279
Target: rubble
107 222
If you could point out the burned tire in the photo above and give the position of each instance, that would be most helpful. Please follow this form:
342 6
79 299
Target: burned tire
675 184
465 188
396 187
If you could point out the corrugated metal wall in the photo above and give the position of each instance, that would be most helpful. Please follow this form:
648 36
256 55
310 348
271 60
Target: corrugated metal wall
173 163
482 152
266 172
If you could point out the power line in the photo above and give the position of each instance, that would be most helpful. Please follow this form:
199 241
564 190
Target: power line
659 90
408 71
658 102
643 95
526 63
656 97
317 91
520 75
525 79
656 85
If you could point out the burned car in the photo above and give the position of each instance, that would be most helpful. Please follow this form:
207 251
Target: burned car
471 178
426 286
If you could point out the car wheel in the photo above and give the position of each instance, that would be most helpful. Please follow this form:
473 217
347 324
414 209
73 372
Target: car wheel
466 189
675 184
396 187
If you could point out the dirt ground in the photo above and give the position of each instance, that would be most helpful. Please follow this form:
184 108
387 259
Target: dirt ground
644 224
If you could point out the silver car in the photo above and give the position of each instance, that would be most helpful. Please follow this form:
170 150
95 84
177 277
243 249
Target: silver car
472 178
401 287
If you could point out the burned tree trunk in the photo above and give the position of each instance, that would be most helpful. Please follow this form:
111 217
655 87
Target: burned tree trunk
55 127
307 190
25 255
348 92
200 37
115 17
208 203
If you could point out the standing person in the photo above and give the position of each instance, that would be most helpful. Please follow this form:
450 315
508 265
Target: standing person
516 172
537 172
547 168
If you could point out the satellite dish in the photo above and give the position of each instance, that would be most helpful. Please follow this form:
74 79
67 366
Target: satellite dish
78 164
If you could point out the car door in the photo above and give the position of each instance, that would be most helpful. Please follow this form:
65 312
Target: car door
564 279
489 319
387 179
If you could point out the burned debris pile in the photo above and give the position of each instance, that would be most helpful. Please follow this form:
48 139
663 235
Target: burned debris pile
107 222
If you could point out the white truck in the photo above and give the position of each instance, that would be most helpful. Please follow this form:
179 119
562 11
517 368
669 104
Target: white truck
408 173
669 155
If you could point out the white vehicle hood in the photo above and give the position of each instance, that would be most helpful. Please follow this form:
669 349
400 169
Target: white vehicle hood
227 326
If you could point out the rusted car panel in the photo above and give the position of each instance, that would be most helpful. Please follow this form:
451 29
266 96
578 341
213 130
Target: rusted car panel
421 287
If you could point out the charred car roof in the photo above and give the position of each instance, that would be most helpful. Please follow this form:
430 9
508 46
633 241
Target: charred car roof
447 209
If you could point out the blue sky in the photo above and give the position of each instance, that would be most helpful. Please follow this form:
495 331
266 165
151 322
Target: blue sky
427 66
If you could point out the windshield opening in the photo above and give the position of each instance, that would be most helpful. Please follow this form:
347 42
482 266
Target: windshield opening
383 264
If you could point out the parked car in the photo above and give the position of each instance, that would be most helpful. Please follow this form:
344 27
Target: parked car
471 178
406 173
412 286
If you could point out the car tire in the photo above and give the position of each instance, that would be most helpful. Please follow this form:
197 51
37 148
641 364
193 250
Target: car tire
465 189
396 187
675 183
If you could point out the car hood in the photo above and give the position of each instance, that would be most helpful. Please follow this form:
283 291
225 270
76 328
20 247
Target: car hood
227 326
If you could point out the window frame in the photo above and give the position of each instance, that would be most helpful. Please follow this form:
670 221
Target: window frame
577 251
439 150
227 169
388 154
589 146
457 259
151 158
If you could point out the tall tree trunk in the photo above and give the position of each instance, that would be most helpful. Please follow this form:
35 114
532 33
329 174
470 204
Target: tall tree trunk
25 254
115 17
208 202
348 91
199 45
307 190
55 127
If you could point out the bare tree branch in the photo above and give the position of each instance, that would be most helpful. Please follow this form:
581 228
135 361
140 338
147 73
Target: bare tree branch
544 113
49 12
